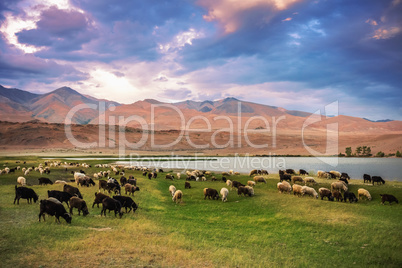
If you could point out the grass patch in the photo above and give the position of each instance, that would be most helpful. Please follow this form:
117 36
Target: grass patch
266 230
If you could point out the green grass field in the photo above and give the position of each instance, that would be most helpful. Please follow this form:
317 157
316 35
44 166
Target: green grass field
267 230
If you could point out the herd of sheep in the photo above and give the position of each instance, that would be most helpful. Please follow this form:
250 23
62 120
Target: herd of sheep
73 198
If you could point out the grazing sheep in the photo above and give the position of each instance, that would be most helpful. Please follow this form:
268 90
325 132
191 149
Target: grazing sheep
123 180
388 197
209 192
25 193
224 193
286 184
178 195
309 180
309 191
78 175
253 172
45 181
251 183
337 195
169 177
111 204
60 182
126 202
132 181
321 174
345 176
377 179
349 195
336 174
284 188
290 171
259 179
72 190
303 172
213 178
172 190
363 193
80 204
245 190
237 173
130 189
297 189
61 196
236 184
229 183
338 185
187 185
324 192
285 177
297 179
178 175
98 199
53 208
21 181
367 178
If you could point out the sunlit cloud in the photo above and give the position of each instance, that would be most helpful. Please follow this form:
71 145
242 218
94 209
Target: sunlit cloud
386 33
180 40
33 9
228 12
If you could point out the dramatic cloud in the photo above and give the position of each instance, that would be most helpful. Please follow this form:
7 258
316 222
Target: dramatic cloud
297 54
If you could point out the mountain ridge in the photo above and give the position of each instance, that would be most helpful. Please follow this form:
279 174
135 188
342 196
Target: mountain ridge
54 106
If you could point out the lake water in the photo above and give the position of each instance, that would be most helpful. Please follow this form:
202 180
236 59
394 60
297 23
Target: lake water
387 168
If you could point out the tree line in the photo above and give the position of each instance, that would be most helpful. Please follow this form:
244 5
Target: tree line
365 151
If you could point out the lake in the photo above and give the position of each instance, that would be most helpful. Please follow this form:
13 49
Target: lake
387 168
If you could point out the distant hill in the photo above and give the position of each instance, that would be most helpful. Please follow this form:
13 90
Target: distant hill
20 106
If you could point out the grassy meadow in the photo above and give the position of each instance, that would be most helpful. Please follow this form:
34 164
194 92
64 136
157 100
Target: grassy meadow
267 230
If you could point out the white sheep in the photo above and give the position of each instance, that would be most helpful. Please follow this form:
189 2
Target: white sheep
321 174
283 187
78 175
251 183
172 190
229 183
224 193
178 195
337 174
26 172
7 170
363 192
203 178
178 175
339 185
237 173
310 191
309 180
259 179
22 181
297 189
250 190
287 184
23 170
60 182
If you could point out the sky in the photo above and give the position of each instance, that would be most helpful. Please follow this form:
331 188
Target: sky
296 54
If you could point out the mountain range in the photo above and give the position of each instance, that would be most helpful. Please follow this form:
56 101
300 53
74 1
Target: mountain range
38 119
